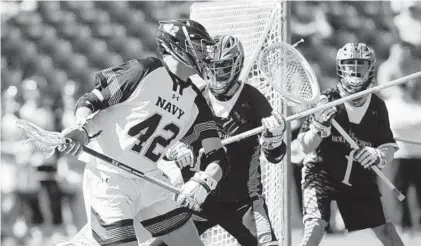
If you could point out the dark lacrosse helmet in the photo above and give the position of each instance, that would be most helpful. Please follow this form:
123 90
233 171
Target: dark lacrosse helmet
227 64
187 41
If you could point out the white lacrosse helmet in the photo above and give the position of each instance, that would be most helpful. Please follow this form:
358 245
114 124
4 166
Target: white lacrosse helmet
355 67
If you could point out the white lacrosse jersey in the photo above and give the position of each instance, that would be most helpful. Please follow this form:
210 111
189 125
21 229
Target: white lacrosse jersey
143 110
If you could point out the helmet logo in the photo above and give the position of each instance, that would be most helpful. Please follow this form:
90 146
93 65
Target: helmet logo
170 29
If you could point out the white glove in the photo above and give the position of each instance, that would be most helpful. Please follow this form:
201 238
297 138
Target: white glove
273 134
181 154
324 117
368 156
194 192
76 137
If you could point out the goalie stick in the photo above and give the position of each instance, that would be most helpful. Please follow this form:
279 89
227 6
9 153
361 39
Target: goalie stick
308 112
379 173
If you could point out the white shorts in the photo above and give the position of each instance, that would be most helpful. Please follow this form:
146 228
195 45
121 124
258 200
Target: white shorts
112 202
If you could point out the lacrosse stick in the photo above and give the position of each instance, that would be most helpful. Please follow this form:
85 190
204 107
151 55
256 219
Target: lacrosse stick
47 141
289 73
310 111
298 83
399 139
354 145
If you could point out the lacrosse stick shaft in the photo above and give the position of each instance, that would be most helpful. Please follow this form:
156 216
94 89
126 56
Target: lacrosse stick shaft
407 141
325 106
379 173
130 170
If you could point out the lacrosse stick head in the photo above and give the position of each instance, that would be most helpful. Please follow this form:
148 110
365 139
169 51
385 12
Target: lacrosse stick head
40 140
289 73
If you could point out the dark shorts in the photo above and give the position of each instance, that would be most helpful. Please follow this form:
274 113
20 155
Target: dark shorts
359 210
237 218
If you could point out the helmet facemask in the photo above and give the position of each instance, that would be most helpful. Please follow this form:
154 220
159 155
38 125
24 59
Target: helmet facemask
355 70
355 74
188 43
227 65
224 75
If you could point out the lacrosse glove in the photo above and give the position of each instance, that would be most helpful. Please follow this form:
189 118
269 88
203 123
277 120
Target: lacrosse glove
368 156
76 137
273 134
194 192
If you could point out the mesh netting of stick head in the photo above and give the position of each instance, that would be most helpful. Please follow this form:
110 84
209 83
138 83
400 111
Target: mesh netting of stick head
290 74
41 140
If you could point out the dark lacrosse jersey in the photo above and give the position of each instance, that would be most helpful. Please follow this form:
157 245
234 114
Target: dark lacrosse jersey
243 112
142 111
333 158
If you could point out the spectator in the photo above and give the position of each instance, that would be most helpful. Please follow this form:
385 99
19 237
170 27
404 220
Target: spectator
10 141
408 23
41 172
402 61
310 19
69 169
405 119
404 105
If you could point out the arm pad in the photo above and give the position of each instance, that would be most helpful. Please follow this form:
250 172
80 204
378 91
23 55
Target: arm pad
219 157
310 140
386 154
89 100
275 155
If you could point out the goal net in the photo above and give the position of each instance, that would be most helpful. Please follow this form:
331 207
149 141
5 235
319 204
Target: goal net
257 25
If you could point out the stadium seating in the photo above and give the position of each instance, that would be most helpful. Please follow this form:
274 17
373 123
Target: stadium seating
63 35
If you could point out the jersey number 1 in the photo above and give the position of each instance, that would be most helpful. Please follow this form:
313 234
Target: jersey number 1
350 159
150 124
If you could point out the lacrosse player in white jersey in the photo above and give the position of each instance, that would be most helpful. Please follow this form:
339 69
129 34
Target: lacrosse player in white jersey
141 108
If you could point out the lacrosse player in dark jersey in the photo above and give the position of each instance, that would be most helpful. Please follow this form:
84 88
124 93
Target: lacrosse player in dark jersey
237 205
332 169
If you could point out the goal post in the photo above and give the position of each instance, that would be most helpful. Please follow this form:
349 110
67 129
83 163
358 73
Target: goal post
257 24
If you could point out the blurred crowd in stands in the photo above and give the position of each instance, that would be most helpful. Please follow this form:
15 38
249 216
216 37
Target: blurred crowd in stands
51 50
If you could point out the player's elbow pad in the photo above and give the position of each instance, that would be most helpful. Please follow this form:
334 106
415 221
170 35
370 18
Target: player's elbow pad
275 155
309 141
219 157
89 100
386 154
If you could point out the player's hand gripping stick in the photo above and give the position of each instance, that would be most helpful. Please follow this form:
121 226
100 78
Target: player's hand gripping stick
308 112
379 173
47 141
